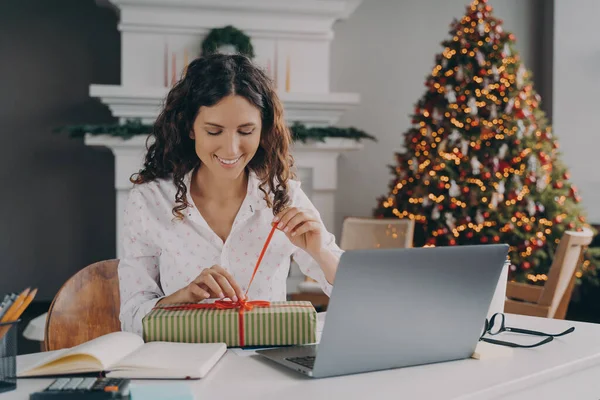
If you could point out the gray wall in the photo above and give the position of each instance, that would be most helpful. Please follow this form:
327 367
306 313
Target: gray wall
576 101
57 203
384 52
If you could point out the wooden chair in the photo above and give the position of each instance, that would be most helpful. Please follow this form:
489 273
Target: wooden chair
86 307
360 233
552 299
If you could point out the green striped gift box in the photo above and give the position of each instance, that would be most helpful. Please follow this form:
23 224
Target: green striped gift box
282 323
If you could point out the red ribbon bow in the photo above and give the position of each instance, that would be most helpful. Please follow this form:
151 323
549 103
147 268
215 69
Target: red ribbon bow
241 305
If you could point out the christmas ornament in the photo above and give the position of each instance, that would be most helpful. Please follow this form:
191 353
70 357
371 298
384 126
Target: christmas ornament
472 105
480 58
454 136
495 73
479 218
450 221
435 214
532 163
414 165
501 188
442 146
493 111
450 94
495 200
509 106
464 147
481 28
454 190
520 76
531 208
460 74
502 151
476 165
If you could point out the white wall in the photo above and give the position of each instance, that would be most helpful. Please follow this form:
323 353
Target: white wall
384 52
576 95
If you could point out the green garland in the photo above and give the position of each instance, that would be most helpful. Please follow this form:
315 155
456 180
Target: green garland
227 35
134 127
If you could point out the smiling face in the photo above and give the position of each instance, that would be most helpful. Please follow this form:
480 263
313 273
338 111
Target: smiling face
227 136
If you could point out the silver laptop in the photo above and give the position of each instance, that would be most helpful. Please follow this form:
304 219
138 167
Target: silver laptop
394 308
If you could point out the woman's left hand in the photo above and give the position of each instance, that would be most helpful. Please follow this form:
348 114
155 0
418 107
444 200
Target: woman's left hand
302 227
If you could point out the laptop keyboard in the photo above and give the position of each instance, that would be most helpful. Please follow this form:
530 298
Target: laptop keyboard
307 361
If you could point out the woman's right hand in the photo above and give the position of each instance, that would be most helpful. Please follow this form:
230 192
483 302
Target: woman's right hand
212 283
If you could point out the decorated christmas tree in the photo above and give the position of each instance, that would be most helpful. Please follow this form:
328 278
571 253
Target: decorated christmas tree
480 162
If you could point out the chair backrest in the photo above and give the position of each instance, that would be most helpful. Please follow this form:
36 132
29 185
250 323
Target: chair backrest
374 233
86 307
561 275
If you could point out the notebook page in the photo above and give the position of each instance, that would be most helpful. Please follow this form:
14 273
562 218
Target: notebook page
192 359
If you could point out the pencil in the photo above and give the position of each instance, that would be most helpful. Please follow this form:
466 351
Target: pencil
15 305
25 304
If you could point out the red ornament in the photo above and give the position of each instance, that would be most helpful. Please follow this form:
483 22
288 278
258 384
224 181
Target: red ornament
496 238
558 185
462 98
566 175
440 231
482 71
452 242
484 239
486 215
469 235
452 206
571 225
502 88
558 219
517 142
527 228
477 147
526 265
487 175
465 189
431 241
441 185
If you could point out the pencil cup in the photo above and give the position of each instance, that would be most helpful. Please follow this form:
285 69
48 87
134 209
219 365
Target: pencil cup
8 356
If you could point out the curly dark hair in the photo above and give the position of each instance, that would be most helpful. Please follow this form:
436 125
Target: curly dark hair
209 79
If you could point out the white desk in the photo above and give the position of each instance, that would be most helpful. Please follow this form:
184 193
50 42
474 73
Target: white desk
568 367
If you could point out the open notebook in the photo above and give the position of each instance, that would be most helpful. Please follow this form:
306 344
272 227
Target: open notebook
125 355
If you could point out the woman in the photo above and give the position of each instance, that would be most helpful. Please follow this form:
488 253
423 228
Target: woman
215 180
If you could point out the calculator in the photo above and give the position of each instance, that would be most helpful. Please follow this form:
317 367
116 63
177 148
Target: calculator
92 388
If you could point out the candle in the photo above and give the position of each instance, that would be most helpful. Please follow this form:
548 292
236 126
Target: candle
275 66
166 66
287 75
173 73
185 61
269 67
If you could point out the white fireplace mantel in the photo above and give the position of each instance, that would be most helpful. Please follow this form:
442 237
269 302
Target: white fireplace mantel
311 109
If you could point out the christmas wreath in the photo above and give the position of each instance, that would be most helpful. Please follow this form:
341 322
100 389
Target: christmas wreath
227 35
